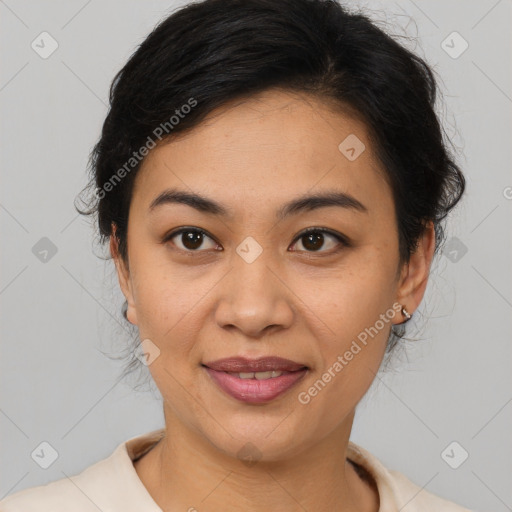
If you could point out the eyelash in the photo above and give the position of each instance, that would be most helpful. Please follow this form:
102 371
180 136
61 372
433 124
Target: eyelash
343 240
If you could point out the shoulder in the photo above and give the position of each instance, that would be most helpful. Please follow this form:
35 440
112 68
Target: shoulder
55 496
396 491
108 485
417 499
81 492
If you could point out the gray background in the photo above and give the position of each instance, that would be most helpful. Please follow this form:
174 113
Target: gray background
58 316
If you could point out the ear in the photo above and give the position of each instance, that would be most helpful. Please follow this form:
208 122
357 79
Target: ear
123 275
415 273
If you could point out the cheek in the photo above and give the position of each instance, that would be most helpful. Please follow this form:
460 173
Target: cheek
361 324
170 301
161 293
360 318
353 316
352 296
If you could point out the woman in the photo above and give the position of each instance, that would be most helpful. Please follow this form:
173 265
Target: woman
272 179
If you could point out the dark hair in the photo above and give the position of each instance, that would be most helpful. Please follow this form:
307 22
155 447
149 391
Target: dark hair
211 52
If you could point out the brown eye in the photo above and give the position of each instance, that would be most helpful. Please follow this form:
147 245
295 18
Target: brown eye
314 239
190 239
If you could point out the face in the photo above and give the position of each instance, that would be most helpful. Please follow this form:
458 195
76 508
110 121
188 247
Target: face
243 278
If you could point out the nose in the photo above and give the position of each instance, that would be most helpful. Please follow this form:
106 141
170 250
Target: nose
254 298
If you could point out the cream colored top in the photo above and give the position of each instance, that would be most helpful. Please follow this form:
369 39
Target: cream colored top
113 485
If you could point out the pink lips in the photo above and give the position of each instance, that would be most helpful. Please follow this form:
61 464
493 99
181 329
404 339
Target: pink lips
254 390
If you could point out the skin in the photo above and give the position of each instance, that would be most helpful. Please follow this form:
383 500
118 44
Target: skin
302 302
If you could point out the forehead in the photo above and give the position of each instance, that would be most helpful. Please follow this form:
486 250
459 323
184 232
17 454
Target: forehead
275 144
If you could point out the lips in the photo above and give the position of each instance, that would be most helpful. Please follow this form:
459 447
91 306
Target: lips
255 391
255 381
246 365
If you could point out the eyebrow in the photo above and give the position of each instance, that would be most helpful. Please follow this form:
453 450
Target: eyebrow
307 202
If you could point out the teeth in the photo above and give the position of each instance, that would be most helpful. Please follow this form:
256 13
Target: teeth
258 375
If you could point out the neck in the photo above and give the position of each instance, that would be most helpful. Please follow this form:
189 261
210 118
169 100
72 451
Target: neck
186 472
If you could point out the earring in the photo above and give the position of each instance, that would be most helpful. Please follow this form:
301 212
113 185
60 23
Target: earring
407 315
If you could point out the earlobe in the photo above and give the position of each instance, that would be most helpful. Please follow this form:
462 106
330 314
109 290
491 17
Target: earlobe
414 278
123 276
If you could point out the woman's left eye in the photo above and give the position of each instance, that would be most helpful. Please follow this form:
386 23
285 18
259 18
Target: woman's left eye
313 239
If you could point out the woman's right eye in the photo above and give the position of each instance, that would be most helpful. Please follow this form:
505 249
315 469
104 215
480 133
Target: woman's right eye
190 239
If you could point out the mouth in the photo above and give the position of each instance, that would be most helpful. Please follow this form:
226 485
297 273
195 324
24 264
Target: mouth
255 381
